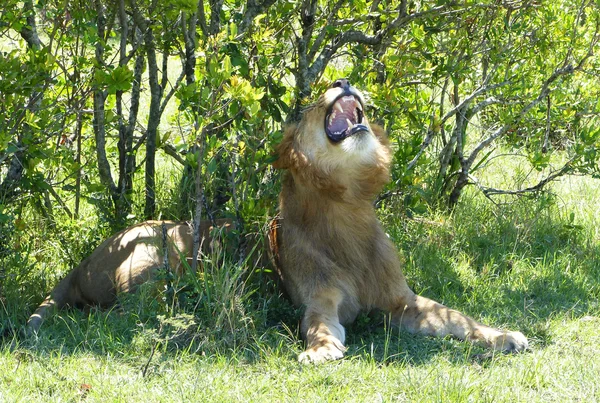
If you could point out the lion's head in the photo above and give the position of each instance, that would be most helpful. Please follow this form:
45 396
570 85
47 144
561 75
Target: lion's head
334 148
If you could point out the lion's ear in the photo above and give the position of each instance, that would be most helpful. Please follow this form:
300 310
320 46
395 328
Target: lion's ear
289 156
285 149
379 131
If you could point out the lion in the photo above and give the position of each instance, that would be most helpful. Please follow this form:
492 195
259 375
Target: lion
124 261
334 257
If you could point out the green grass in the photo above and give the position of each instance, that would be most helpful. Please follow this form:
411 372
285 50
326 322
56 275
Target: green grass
531 265
429 371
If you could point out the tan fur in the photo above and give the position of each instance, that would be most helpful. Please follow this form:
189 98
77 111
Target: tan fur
123 262
334 254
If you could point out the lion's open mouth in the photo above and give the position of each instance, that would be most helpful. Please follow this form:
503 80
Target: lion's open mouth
344 118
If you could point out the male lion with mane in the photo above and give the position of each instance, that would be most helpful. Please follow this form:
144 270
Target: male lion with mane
334 257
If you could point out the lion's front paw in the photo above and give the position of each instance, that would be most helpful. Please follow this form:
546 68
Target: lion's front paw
511 342
322 353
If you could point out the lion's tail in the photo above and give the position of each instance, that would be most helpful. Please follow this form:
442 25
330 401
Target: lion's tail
58 298
35 320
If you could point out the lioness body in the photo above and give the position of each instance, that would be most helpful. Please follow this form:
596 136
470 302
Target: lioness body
335 258
123 262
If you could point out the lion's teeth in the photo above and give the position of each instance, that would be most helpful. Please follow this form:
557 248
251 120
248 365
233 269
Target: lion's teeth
330 119
355 115
358 105
338 107
350 124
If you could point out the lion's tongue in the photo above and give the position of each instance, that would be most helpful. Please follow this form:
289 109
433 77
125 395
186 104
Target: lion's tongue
343 115
338 124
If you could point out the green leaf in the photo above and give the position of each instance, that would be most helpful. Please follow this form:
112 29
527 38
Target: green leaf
120 79
233 31
212 166
254 108
227 67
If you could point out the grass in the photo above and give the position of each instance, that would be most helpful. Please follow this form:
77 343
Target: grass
531 265
445 371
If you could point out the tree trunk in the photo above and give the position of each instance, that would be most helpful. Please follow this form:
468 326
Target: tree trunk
126 185
78 129
99 122
461 182
122 206
463 116
188 27
199 191
153 122
10 184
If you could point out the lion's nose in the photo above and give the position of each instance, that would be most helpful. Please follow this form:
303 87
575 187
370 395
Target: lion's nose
341 83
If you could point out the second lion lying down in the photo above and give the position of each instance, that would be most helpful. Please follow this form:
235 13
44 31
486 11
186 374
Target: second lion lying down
124 261
334 256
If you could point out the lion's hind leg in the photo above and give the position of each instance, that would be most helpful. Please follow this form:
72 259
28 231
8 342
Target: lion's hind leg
322 329
421 315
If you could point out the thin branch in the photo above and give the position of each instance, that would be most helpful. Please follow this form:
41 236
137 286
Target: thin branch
593 43
152 351
225 124
545 90
580 12
385 196
481 90
353 21
426 142
168 96
253 9
172 152
354 36
484 104
459 107
202 18
489 191
99 96
60 201
165 67
442 96
548 126
476 109
319 40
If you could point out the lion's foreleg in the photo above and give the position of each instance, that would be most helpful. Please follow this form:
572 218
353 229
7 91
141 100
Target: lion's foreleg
421 315
322 329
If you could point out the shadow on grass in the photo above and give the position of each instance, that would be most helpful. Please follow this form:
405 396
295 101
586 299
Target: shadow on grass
515 269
